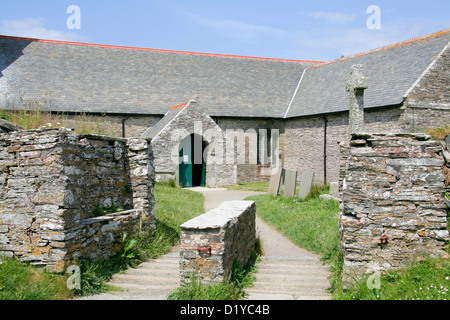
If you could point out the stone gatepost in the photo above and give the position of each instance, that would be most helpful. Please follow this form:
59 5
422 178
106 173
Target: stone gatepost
356 86
393 209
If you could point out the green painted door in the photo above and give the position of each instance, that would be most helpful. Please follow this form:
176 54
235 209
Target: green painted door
192 168
185 154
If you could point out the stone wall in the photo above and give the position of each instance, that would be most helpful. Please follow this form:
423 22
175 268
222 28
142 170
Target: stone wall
212 242
52 184
393 209
254 173
304 140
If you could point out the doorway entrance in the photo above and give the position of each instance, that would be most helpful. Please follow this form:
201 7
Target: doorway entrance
192 168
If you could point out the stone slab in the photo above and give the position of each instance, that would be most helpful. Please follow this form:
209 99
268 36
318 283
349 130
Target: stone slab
334 189
219 217
275 182
306 183
290 183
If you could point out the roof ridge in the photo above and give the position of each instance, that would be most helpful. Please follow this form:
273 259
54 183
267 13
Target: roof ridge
156 50
427 36
179 106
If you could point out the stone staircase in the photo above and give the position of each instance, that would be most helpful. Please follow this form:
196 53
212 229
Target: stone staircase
151 280
290 278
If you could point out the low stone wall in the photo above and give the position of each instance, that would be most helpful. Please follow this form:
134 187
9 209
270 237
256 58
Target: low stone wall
393 209
53 184
212 242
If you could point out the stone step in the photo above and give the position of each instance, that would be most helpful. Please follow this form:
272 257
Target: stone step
297 269
284 296
274 288
167 265
291 278
298 285
291 261
145 279
154 272
140 291
308 292
145 287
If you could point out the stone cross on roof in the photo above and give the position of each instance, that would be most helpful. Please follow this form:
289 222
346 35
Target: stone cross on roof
356 85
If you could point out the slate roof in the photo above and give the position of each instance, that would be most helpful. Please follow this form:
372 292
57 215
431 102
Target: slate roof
77 77
97 78
391 72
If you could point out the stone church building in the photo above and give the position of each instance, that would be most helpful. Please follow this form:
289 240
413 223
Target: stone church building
218 119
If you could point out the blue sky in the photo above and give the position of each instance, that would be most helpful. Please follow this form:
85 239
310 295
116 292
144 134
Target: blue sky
304 30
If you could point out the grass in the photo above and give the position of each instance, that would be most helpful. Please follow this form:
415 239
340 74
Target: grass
19 281
251 186
428 279
439 133
32 115
174 206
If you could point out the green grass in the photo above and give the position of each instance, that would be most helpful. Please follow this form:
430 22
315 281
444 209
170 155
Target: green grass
439 133
311 224
174 206
251 186
33 115
19 281
424 280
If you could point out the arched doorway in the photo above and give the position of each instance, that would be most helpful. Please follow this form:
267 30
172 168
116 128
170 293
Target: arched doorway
192 167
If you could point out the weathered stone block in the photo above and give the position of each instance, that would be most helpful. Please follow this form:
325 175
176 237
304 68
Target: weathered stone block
212 242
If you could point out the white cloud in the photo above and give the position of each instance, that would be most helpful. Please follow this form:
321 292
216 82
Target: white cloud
237 29
333 17
330 43
35 28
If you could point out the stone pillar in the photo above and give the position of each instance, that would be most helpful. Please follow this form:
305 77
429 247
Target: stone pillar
392 210
356 85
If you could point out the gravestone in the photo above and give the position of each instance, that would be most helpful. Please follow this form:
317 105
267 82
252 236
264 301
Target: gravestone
275 181
306 183
356 85
334 189
290 183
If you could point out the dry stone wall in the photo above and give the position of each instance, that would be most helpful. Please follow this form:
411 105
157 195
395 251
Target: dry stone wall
212 242
53 182
393 210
